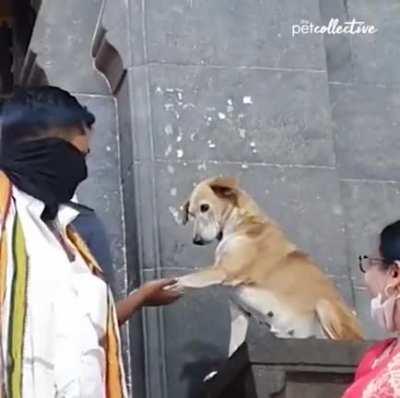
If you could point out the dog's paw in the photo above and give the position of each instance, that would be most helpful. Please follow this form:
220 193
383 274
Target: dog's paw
187 282
210 376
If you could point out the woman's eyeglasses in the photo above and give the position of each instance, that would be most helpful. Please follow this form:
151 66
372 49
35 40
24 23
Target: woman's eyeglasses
364 262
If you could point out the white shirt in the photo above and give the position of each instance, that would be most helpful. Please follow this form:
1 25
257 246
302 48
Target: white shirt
66 312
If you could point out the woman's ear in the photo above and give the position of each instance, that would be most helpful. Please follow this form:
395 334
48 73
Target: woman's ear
394 284
396 269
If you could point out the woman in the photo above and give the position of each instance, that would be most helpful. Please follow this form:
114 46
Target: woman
378 374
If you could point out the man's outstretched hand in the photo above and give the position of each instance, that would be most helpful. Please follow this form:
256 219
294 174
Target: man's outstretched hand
160 292
150 294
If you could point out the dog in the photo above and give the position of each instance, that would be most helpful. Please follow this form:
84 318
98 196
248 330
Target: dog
270 278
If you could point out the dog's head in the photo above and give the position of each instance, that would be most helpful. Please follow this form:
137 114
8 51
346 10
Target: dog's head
207 207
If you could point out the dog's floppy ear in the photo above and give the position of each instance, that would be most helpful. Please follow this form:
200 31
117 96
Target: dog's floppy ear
185 211
225 187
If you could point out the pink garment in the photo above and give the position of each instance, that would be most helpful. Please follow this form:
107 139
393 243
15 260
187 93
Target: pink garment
378 374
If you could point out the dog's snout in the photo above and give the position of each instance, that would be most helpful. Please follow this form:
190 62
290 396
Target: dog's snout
198 240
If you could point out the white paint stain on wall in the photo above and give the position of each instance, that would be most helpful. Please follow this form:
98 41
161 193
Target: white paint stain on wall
229 107
202 166
175 214
179 153
168 150
247 100
221 116
173 191
171 169
168 129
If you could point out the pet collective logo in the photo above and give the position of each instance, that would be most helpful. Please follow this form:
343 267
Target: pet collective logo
334 27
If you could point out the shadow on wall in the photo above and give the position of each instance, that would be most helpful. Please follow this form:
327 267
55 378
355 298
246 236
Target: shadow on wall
210 357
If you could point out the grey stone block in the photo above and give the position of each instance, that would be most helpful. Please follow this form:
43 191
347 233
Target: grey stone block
233 32
305 201
367 122
376 57
205 113
369 206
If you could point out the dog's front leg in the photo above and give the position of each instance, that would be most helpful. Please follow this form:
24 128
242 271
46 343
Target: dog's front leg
239 325
207 277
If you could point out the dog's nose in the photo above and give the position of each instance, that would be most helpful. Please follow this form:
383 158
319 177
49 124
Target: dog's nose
198 240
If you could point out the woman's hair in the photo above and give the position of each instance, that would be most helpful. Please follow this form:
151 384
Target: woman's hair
389 246
32 112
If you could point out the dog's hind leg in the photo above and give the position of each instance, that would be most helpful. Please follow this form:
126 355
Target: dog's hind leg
239 325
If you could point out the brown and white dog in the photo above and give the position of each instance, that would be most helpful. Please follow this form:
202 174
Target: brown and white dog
271 278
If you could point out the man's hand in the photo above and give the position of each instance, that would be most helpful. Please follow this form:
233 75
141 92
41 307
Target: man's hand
160 292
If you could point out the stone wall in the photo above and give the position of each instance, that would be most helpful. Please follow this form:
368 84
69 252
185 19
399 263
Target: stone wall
186 89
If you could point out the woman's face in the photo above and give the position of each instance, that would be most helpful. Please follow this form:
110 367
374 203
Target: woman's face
378 278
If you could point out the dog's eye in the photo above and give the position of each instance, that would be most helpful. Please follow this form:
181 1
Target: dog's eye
204 207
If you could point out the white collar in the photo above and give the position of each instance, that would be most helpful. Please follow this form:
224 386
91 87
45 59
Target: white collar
66 214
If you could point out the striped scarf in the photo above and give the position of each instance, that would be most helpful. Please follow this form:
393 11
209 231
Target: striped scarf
11 375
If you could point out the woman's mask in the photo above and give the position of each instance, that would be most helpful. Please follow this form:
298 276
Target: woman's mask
384 312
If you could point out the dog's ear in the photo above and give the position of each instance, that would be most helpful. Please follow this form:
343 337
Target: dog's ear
224 182
185 211
226 188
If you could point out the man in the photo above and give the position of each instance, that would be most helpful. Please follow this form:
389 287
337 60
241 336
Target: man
59 332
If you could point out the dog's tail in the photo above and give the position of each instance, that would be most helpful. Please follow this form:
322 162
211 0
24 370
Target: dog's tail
337 321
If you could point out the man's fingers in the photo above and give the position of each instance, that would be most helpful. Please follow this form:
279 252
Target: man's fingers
175 289
168 284
168 281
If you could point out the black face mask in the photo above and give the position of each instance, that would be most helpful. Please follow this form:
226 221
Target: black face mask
48 169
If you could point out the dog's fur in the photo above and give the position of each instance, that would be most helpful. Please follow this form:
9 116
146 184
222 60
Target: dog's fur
271 278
